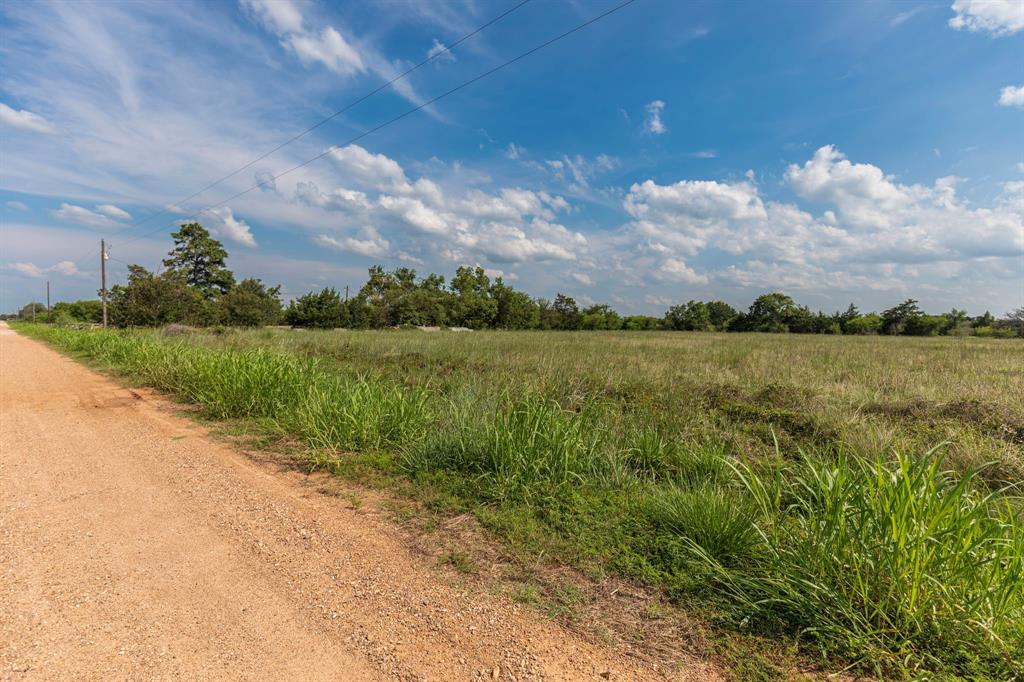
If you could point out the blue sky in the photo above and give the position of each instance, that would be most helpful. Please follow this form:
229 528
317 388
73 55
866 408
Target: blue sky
840 151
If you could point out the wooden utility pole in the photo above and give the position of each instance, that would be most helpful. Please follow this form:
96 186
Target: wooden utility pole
103 279
346 293
49 315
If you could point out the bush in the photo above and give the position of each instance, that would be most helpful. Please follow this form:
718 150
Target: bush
250 304
322 310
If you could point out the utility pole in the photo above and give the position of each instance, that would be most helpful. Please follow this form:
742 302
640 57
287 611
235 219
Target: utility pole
103 279
49 315
346 293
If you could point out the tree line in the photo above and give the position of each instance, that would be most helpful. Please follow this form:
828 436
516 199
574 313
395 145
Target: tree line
196 288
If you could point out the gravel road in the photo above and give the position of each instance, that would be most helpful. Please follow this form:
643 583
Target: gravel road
132 546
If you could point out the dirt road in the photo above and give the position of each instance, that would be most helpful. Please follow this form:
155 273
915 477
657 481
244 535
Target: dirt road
134 547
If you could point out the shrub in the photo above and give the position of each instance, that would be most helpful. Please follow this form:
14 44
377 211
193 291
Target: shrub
317 310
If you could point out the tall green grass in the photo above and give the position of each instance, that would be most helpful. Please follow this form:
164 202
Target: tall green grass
890 562
897 564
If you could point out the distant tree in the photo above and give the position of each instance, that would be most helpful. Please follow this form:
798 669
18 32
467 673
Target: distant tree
27 311
318 310
772 313
473 305
565 313
902 318
720 313
251 304
690 316
201 260
86 310
870 323
986 320
1015 320
600 316
516 309
641 323
149 300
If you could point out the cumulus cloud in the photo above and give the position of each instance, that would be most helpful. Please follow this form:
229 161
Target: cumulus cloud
16 205
417 218
64 267
996 17
890 230
652 119
371 245
26 120
376 171
226 226
1012 95
105 215
114 212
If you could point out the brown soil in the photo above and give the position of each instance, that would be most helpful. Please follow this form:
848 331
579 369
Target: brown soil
132 546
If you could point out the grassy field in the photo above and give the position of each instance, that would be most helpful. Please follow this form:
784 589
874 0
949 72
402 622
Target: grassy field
855 493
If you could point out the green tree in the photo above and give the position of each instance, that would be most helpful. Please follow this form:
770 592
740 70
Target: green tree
201 260
516 309
33 309
772 313
720 313
897 319
86 310
862 325
251 304
473 305
318 310
600 316
149 300
689 316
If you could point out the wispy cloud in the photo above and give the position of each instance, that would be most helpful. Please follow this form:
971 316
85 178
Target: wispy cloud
26 120
652 120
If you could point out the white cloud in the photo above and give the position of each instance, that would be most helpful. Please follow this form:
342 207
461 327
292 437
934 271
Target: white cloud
652 120
375 171
26 120
675 270
329 48
105 215
873 233
439 48
1020 167
1012 95
996 17
419 219
372 246
64 267
583 278
577 171
705 154
902 17
279 16
16 205
227 226
114 212
514 151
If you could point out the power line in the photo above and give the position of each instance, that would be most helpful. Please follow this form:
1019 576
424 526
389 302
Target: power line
401 116
337 113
